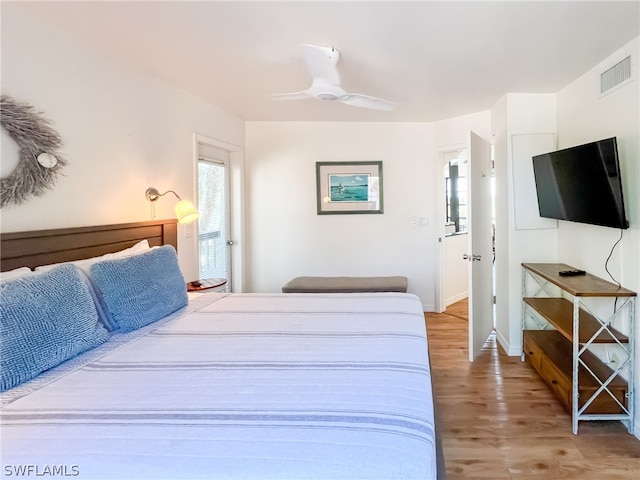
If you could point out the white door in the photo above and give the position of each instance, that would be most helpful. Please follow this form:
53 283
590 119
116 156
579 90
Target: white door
214 244
480 254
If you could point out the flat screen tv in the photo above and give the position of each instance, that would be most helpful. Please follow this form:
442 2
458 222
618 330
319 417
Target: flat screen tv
581 184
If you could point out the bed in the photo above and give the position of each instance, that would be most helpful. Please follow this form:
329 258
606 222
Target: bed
225 386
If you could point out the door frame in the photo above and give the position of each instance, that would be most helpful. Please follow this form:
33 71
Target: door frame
440 189
236 203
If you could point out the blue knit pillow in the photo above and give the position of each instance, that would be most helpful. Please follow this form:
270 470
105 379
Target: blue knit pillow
141 289
44 320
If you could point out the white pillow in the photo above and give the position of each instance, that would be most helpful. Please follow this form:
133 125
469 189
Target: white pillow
140 247
16 273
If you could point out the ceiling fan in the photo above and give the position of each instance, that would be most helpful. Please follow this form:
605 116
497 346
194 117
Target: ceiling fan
322 65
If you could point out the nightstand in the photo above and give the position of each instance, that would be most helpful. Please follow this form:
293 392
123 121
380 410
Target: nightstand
206 284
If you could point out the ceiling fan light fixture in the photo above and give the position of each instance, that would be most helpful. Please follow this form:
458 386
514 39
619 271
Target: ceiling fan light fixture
328 96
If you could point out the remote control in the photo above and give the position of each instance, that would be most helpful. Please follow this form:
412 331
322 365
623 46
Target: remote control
571 273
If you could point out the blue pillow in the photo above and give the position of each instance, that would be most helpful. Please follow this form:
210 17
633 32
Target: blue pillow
103 313
141 289
44 320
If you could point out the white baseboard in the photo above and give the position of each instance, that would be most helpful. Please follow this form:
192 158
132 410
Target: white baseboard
428 307
456 298
512 350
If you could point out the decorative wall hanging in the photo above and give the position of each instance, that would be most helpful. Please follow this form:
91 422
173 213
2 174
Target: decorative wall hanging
349 187
39 163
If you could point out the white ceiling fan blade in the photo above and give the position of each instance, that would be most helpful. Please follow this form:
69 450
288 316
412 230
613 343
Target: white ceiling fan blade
291 96
321 63
365 101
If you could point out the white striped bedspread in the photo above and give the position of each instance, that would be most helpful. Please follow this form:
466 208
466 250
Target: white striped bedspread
240 386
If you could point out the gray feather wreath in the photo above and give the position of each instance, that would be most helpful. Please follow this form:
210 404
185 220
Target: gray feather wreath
39 163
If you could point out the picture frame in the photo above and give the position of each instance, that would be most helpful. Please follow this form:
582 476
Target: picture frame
349 188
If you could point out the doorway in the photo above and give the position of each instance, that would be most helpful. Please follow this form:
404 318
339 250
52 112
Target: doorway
219 173
455 275
466 212
214 259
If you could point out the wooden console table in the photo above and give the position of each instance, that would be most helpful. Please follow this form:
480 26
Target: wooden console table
565 341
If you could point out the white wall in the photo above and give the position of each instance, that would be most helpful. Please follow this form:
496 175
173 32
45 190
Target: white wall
517 114
499 124
455 131
123 131
584 116
289 239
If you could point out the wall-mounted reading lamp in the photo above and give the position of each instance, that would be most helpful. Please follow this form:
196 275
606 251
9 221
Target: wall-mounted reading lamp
185 210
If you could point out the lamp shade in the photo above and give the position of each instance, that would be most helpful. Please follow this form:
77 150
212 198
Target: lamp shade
186 212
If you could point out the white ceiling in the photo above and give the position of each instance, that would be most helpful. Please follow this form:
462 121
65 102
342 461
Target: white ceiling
436 59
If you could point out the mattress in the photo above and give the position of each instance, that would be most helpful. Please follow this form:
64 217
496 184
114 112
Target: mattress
238 386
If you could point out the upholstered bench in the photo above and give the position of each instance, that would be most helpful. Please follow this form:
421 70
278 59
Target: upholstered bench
345 284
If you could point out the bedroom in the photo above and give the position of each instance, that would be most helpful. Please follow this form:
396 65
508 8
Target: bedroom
118 118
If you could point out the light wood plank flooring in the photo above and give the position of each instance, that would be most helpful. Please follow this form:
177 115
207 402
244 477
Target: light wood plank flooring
499 421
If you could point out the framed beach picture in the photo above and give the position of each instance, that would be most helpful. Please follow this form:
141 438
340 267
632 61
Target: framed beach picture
349 187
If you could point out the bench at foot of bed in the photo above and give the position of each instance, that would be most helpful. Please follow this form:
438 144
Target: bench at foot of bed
345 284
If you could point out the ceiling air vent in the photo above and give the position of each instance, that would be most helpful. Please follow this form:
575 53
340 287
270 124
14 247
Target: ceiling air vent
616 76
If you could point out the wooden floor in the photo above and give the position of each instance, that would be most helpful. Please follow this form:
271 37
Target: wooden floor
499 421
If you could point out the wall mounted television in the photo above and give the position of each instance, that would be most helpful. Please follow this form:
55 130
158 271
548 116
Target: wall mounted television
581 184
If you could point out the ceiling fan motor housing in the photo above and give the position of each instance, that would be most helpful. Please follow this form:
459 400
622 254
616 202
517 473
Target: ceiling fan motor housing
332 54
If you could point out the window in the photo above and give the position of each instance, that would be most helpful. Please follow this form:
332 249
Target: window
455 174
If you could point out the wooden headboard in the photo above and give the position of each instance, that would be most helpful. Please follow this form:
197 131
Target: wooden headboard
43 247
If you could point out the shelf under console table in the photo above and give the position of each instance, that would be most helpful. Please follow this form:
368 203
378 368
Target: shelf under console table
582 352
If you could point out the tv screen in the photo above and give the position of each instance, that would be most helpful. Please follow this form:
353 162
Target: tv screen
581 184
